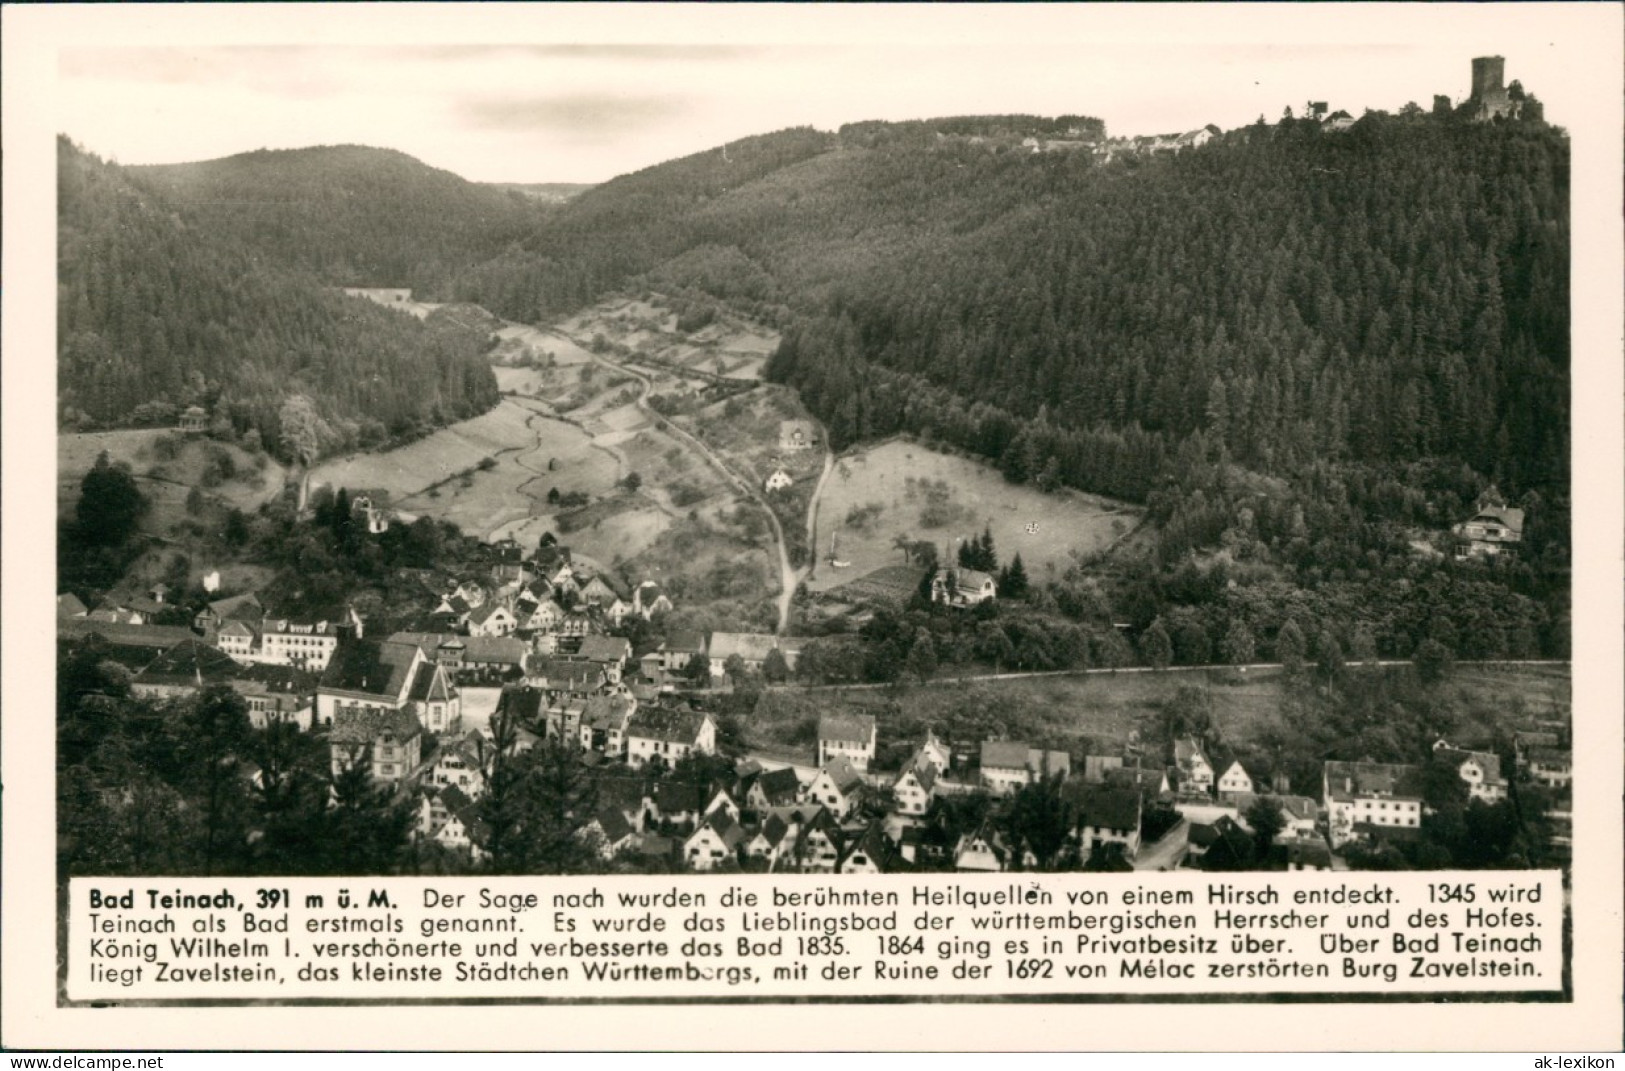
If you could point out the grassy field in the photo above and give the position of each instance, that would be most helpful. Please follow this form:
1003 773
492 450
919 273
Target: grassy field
423 478
882 492
166 474
730 346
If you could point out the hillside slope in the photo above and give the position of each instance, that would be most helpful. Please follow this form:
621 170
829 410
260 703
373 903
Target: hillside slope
157 311
349 214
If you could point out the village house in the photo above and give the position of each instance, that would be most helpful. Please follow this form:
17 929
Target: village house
871 852
369 509
604 721
281 641
778 481
1300 813
1149 781
962 587
628 796
617 610
1550 766
982 851
1360 795
1195 771
610 653
675 805
773 788
715 842
390 677
563 681
752 648
68 605
839 786
847 736
680 646
1107 814
597 592
467 657
668 735
491 619
648 599
1492 531
1008 765
817 845
277 695
460 763
185 669
388 742
1234 781
610 831
915 788
770 839
1480 769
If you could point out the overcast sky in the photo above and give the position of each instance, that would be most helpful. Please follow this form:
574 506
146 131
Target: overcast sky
625 94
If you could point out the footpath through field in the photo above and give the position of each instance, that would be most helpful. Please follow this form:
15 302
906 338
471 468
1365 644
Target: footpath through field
789 577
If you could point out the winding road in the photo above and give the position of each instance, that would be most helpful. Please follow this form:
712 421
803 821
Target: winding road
789 576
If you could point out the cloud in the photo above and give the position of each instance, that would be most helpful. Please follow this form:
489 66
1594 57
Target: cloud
583 117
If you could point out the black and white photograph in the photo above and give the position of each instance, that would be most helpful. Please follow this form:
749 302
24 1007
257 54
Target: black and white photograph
1086 457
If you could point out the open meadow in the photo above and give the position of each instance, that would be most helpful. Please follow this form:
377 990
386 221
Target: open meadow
900 489
167 465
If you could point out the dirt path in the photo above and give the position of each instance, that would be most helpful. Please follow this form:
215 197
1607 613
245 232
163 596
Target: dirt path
788 575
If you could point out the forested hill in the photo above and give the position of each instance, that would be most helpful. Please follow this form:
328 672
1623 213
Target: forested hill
1394 293
352 215
158 312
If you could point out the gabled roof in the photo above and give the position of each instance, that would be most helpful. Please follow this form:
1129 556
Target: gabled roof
773 830
363 725
844 775
523 703
684 641
613 824
487 610
679 797
1004 754
846 727
238 608
1550 756
722 824
561 675
1511 518
68 605
607 711
1488 762
624 793
488 649
596 648
371 667
779 787
1145 778
1352 780
1109 807
190 662
158 636
661 723
429 685
1234 767
874 844
1187 749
